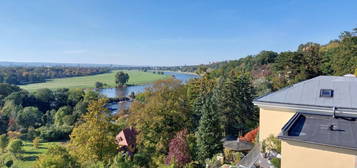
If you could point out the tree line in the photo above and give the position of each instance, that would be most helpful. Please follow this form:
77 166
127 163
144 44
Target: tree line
27 75
48 114
272 71
179 125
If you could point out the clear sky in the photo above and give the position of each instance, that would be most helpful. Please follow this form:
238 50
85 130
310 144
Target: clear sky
164 32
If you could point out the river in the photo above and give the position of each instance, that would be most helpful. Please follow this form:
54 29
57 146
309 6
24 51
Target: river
120 92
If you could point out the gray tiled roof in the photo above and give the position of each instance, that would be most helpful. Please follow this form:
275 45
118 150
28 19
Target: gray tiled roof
316 129
308 93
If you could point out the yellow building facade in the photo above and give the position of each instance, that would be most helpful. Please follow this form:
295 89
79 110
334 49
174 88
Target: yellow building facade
271 120
302 155
315 119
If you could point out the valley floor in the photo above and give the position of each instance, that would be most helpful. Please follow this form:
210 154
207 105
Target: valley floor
136 78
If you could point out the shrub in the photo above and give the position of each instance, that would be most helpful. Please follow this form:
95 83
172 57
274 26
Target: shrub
30 134
4 141
7 160
36 142
14 134
215 161
141 159
272 144
275 162
56 157
54 133
122 162
232 157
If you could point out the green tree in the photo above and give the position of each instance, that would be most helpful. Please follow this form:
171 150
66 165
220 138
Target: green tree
121 78
80 108
234 98
327 52
312 59
99 85
8 114
265 57
289 69
61 115
209 132
3 123
90 95
29 117
163 112
45 98
4 141
10 109
93 139
19 98
75 95
197 89
7 89
60 98
345 56
15 146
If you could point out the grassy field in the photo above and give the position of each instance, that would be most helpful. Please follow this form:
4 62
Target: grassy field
136 78
30 153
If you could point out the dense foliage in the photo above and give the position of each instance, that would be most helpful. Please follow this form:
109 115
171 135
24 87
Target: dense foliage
209 132
56 157
237 118
44 113
272 71
162 113
26 75
93 139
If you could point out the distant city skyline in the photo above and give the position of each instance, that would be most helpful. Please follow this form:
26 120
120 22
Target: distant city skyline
164 33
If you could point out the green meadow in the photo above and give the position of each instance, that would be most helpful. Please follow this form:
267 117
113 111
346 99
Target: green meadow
135 78
30 154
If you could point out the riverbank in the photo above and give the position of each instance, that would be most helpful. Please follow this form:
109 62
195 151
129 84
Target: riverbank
188 73
135 78
118 93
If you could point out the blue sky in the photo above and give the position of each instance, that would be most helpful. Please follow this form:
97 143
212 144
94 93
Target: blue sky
164 32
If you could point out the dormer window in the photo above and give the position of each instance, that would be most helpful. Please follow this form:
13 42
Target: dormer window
326 93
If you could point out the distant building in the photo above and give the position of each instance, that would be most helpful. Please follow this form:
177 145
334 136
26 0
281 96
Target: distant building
126 139
316 120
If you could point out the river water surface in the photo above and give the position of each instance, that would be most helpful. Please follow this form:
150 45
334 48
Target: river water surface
120 92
